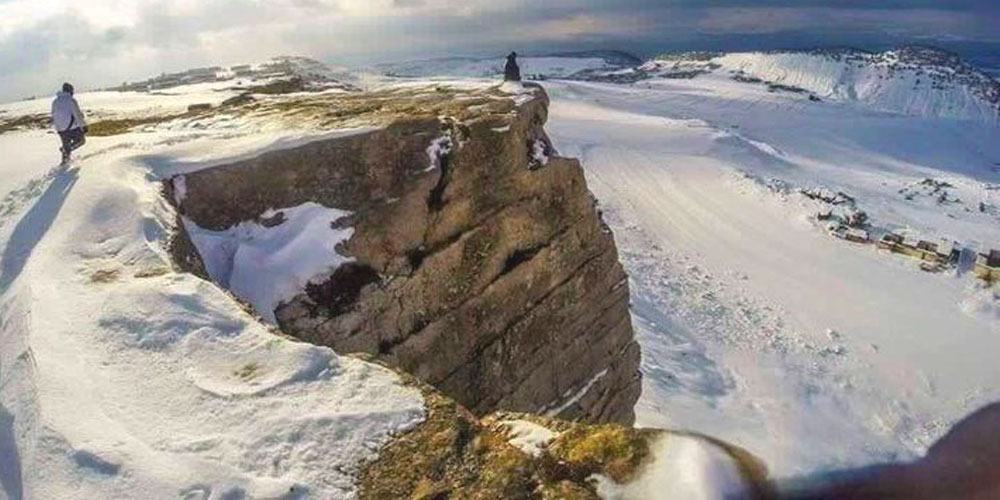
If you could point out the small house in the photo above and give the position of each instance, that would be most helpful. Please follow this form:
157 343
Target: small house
928 251
856 235
847 233
941 252
889 241
909 246
947 251
988 265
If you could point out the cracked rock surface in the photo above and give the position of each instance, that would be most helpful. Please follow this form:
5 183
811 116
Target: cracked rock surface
476 269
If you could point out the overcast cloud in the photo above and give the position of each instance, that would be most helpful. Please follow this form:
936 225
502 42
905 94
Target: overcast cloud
103 42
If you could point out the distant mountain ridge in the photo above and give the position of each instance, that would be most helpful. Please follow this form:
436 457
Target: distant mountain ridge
575 64
310 72
913 80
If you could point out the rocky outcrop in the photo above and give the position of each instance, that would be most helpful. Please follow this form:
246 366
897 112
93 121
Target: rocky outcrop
480 263
454 454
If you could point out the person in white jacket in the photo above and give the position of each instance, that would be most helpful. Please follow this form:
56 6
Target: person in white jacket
68 121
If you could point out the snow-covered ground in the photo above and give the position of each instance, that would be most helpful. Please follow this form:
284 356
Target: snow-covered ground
168 101
756 326
120 378
915 81
470 67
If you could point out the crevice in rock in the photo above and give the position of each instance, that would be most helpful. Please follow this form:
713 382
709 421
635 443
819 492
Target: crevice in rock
518 257
416 258
337 294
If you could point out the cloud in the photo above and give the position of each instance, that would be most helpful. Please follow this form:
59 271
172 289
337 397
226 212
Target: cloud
101 42
588 26
776 19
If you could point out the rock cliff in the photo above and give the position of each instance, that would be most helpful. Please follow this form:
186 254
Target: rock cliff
479 261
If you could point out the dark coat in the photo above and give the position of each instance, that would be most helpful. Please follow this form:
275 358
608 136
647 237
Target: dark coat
511 72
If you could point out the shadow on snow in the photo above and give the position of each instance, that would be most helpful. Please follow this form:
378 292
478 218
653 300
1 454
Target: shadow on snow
33 226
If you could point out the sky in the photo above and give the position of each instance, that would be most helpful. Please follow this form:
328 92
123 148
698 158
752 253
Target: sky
98 43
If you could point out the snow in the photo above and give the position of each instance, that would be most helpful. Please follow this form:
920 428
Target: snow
120 378
168 101
438 149
194 151
180 189
577 395
734 283
522 93
551 67
983 304
270 265
539 153
910 82
871 81
682 467
528 437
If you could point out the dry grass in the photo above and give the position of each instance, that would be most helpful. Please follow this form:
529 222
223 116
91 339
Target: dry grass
152 272
610 449
24 122
247 371
104 276
453 454
116 126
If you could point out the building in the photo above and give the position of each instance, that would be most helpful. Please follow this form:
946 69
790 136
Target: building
947 251
889 241
940 252
850 234
988 265
856 235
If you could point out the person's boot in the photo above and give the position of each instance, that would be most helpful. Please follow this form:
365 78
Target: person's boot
65 157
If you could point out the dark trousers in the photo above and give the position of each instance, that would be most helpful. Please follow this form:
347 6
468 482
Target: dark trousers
71 140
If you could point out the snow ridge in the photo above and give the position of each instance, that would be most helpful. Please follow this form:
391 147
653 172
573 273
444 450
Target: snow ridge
122 379
916 81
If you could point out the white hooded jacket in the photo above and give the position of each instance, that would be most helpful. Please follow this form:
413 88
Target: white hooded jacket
66 113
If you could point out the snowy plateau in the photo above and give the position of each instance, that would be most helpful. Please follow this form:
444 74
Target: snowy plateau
725 179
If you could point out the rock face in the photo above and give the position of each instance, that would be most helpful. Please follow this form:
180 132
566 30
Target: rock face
481 265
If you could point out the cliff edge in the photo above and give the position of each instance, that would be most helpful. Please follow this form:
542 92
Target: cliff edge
476 260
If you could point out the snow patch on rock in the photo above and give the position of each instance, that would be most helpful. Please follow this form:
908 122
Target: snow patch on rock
577 396
521 94
180 189
269 265
529 437
438 150
539 152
